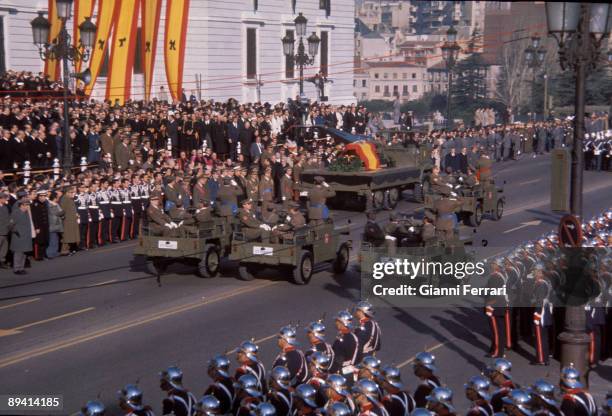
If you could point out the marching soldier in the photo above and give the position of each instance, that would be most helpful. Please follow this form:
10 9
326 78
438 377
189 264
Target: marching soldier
248 395
440 401
291 357
337 392
116 211
137 208
477 392
208 406
517 402
81 201
95 215
286 187
368 332
304 400
246 355
317 198
396 400
543 399
502 379
542 316
425 368
279 394
337 409
315 332
318 367
104 203
495 310
128 214
366 395
368 368
576 400
223 386
130 402
93 408
346 346
180 402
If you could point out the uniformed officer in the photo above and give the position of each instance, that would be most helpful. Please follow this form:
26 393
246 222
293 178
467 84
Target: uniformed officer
346 346
367 398
266 189
372 233
337 409
446 220
130 402
159 222
483 168
501 378
104 204
317 199
290 356
251 227
304 400
246 355
318 370
517 403
542 315
576 400
180 401
270 216
222 387
477 392
337 392
425 368
368 331
286 187
208 406
368 368
495 309
396 399
315 331
248 395
543 399
81 201
137 207
128 213
93 408
440 401
279 394
94 214
116 211
227 197
252 184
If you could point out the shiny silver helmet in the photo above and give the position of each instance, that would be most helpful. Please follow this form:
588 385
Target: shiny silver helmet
265 409
503 366
519 399
219 364
365 307
441 395
368 388
425 359
131 396
250 349
370 363
421 411
317 329
208 405
338 384
281 377
480 385
570 378
345 318
173 376
391 375
307 394
289 334
93 408
338 409
320 360
545 391
249 384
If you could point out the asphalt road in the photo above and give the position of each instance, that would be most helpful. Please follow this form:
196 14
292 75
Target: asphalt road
86 325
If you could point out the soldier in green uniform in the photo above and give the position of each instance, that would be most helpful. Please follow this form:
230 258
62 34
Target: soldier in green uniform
483 169
182 218
428 231
317 198
269 215
446 219
251 227
266 189
393 230
252 185
227 197
159 223
286 187
438 182
294 221
239 177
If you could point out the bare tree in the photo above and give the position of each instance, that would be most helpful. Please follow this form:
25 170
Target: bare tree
513 75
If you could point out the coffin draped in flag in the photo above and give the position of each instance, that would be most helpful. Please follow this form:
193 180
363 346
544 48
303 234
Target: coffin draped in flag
151 10
177 16
367 153
123 51
107 9
52 66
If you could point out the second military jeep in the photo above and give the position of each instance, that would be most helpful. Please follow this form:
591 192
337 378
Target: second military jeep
299 251
201 245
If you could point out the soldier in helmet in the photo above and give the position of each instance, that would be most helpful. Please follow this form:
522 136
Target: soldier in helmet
440 401
496 308
93 408
372 233
346 346
396 399
477 392
317 198
304 400
279 393
246 355
501 378
368 332
425 368
576 401
248 395
180 402
264 409
318 370
517 403
337 409
543 399
315 332
368 368
542 315
223 386
290 356
337 392
367 398
208 406
130 402
421 411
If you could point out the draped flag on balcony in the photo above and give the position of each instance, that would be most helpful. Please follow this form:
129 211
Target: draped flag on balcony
52 66
106 16
177 14
151 10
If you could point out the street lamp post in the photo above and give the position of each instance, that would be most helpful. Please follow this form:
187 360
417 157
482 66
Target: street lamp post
534 56
61 49
301 58
579 29
450 51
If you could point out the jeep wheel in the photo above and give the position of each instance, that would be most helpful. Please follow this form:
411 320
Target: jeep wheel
156 265
302 272
475 218
394 197
210 263
246 272
342 259
499 210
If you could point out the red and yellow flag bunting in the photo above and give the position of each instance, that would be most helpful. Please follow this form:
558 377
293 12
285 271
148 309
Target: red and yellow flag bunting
107 9
52 66
367 153
177 15
82 9
151 10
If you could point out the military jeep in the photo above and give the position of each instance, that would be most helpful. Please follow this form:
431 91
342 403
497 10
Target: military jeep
298 251
202 245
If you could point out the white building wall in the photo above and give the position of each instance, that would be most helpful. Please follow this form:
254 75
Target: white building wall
216 48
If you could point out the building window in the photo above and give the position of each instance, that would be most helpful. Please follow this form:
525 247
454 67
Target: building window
2 51
363 82
289 63
414 75
255 5
325 5
324 52
376 75
377 89
395 75
405 75
405 90
354 83
431 77
251 58
385 75
138 56
395 90
386 93
415 88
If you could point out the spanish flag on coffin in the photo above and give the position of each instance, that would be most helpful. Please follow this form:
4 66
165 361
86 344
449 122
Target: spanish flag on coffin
367 153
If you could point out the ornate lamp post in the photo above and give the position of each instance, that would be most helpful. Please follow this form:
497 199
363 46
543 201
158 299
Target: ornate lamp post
534 57
61 49
450 52
579 29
